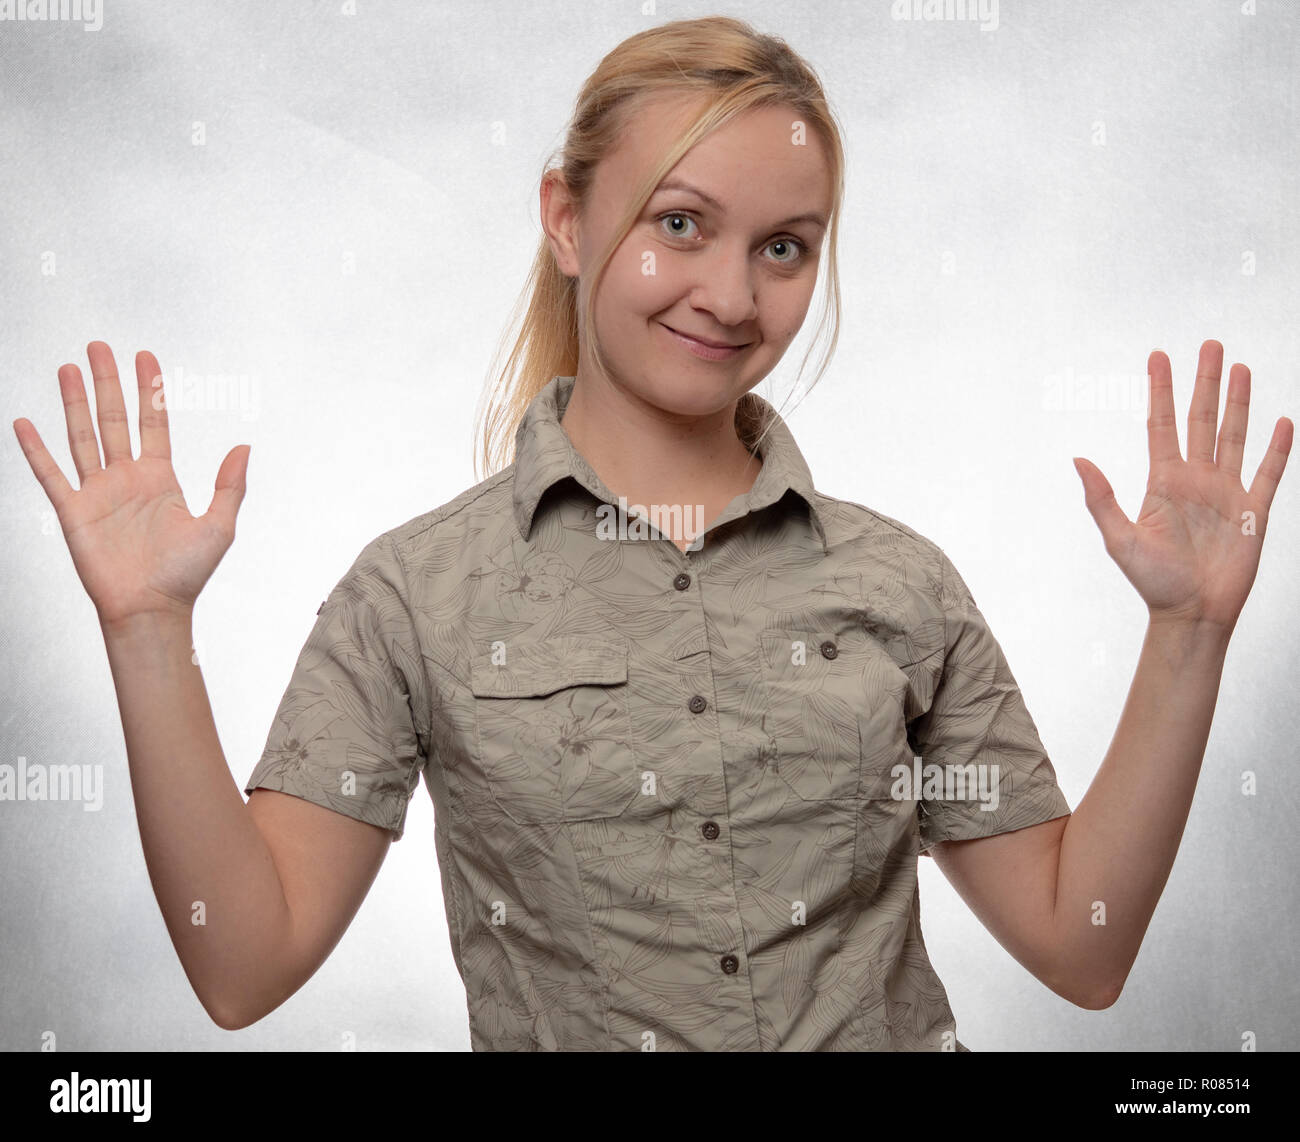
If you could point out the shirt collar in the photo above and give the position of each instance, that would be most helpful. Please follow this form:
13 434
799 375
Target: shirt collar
544 455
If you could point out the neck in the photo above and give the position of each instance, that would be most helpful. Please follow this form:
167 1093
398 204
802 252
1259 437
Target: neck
653 457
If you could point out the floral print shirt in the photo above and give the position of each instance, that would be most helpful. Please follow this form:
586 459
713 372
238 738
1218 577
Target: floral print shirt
679 797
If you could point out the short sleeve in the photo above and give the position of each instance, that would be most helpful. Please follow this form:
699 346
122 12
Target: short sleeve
347 733
978 735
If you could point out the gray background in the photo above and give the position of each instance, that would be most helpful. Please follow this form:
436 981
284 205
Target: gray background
1027 207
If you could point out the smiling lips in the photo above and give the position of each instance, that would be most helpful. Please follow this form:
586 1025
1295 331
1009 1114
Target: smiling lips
704 348
706 341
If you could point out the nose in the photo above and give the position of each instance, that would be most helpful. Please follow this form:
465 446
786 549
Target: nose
725 287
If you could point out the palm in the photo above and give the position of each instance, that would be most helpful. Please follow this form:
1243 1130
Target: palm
133 541
1193 550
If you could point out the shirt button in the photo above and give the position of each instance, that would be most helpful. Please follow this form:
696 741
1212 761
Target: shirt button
829 649
710 830
697 703
730 964
682 581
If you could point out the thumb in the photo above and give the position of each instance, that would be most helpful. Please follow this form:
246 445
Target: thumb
232 483
1101 503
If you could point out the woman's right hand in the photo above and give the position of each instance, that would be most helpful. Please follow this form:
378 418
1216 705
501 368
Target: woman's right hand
133 541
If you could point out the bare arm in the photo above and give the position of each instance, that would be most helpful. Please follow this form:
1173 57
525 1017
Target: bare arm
327 862
254 896
1071 899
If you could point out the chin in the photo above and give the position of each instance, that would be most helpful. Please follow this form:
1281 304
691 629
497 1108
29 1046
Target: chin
690 396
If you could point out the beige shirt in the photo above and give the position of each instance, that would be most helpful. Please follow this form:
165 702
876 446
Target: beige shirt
668 806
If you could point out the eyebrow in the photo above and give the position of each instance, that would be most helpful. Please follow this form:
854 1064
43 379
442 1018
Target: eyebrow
678 184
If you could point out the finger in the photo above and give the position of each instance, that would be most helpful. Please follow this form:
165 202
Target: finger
1203 412
1105 510
155 435
1162 430
1274 462
232 483
1232 435
43 465
81 430
110 410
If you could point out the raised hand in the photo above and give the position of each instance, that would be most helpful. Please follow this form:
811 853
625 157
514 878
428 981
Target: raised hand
134 543
1194 549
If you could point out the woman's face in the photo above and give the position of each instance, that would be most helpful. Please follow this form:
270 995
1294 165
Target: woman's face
726 250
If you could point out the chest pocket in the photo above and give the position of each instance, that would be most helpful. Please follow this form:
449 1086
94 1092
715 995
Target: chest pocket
554 729
830 698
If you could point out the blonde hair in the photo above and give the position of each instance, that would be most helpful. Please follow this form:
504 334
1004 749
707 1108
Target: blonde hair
717 56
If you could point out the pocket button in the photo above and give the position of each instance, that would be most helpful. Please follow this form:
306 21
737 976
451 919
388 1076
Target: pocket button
815 695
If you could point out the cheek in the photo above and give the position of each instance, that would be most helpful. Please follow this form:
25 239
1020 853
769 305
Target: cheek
641 282
779 328
783 317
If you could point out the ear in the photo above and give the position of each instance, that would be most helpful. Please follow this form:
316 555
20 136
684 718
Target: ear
560 222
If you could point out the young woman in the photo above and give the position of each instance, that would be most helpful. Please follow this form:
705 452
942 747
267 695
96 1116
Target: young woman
687 722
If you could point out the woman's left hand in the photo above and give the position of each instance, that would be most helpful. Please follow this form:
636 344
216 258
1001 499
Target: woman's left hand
1193 552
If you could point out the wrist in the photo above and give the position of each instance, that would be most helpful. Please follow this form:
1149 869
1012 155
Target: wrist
149 625
1188 636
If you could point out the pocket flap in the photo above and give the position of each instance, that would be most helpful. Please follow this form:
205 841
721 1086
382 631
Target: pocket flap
532 670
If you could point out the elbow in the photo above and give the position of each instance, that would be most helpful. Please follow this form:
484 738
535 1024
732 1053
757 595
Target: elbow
1091 995
227 1023
228 1018
1100 998
1083 981
234 1009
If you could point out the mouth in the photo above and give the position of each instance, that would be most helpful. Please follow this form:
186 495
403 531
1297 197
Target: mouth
705 347
707 341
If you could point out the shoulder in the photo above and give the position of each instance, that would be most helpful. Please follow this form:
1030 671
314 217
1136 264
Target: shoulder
438 539
486 507
863 533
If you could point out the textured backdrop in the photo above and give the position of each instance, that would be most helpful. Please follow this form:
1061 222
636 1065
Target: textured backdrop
319 221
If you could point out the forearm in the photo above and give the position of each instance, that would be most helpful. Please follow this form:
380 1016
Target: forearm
1119 844
206 857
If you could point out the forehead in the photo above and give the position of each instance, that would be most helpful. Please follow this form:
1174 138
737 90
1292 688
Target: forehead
764 160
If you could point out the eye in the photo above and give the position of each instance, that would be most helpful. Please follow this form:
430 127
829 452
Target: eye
685 218
792 251
800 251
